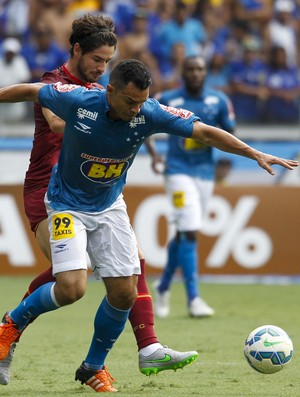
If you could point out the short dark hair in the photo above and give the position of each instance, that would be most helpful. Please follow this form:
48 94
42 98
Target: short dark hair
92 32
193 57
130 71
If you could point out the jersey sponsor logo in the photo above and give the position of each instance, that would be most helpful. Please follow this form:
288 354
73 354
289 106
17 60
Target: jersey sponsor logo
62 226
84 113
104 172
137 120
104 159
83 128
183 113
64 87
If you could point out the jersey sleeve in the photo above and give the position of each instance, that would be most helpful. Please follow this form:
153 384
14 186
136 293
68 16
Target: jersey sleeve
59 98
174 121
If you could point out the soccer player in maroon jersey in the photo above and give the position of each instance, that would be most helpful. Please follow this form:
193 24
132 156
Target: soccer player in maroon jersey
93 43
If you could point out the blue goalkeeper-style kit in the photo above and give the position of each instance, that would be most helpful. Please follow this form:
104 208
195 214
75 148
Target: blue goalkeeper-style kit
97 151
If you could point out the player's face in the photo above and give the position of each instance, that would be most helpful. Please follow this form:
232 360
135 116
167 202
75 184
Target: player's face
91 65
194 72
125 103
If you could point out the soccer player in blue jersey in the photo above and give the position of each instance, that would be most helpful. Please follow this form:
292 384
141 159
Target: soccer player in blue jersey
103 133
92 46
189 171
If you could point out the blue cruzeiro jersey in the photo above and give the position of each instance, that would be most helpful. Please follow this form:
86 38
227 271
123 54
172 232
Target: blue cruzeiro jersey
185 155
97 151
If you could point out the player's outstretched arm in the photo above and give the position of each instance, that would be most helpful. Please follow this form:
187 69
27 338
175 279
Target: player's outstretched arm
226 142
20 92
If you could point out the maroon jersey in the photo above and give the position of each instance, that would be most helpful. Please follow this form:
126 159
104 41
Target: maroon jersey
45 152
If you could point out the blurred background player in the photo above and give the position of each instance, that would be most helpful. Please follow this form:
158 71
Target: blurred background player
189 182
93 44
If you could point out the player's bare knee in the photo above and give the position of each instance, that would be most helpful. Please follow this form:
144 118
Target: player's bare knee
132 297
75 293
124 298
67 296
68 291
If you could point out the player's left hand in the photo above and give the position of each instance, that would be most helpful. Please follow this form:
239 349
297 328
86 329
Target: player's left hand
266 161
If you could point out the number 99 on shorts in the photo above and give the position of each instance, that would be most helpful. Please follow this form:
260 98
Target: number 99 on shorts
62 226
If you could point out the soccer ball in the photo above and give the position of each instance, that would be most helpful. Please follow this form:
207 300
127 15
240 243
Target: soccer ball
268 349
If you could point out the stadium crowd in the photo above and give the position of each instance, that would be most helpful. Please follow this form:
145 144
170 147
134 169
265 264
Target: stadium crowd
250 46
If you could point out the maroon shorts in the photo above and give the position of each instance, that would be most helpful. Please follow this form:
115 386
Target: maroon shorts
35 207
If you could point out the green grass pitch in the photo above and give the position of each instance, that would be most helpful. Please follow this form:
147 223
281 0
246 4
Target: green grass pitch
53 347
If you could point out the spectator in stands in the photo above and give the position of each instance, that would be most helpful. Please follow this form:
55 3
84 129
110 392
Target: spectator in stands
122 13
218 73
284 86
54 14
13 70
296 14
239 33
42 52
162 13
247 83
172 79
216 19
281 30
256 13
14 18
135 44
181 28
137 39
